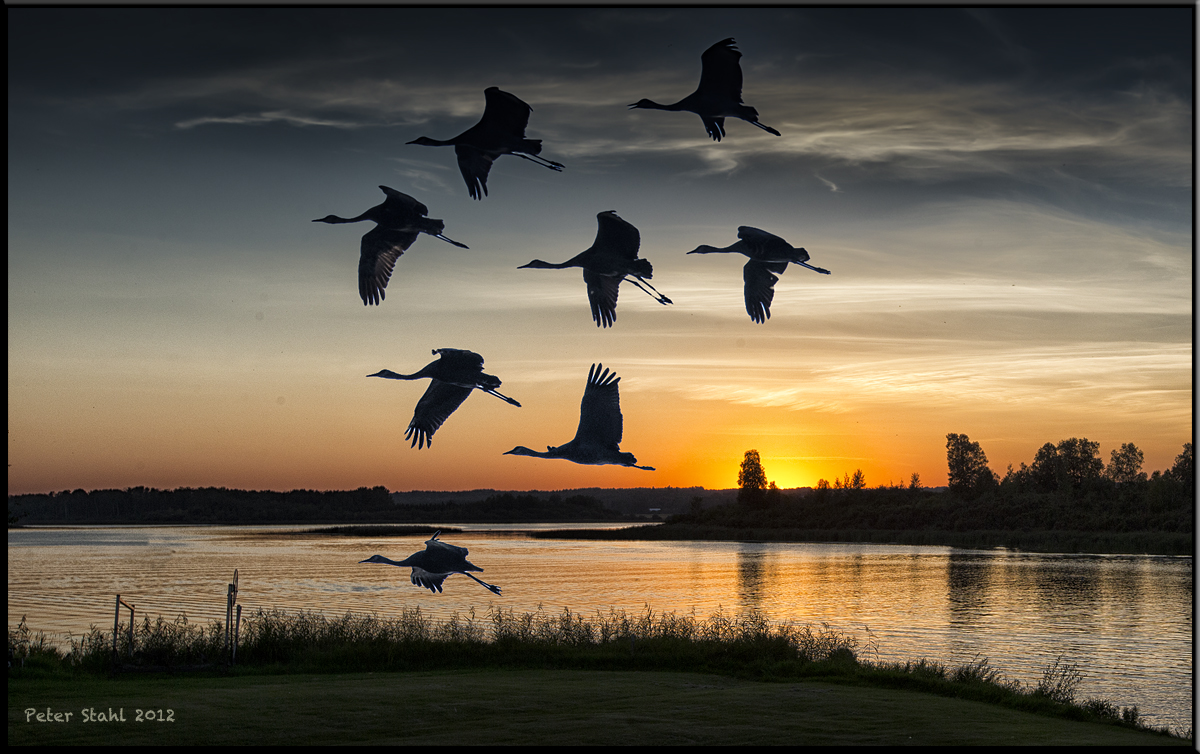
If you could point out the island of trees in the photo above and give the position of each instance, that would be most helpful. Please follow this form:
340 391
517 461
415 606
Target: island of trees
1067 500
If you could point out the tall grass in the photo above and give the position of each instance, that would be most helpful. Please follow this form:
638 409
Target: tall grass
745 645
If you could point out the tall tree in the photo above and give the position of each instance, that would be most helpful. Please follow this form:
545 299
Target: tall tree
1125 465
1184 470
752 479
1043 474
1078 464
967 465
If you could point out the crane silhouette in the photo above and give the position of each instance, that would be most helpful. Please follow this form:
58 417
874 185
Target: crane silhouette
398 221
719 94
769 257
500 131
435 564
597 440
452 378
613 257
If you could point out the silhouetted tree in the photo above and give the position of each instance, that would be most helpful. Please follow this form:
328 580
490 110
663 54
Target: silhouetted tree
773 494
914 481
1125 465
1043 474
967 464
1079 464
752 479
858 481
1184 470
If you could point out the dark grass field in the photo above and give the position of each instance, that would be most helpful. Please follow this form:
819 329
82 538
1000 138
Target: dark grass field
560 707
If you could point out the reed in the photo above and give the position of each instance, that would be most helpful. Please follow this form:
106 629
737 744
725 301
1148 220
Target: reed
744 645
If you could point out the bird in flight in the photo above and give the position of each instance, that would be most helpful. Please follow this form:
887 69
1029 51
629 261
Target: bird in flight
769 257
613 257
398 221
719 94
452 378
598 438
435 564
500 131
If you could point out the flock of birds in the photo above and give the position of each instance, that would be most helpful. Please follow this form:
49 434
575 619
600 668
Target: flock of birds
611 259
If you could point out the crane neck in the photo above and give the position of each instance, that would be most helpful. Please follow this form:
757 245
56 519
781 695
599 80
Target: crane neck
425 141
334 219
521 450
540 265
649 104
388 374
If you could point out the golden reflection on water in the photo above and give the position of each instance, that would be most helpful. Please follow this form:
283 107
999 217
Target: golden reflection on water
1126 620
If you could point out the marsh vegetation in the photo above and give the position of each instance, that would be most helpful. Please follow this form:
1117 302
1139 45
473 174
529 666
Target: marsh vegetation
745 646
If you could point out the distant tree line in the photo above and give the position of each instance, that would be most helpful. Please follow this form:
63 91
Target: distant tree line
509 508
218 505
1073 469
1067 490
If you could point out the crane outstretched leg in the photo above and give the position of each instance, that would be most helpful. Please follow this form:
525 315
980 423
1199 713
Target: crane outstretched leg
505 398
656 295
542 161
494 589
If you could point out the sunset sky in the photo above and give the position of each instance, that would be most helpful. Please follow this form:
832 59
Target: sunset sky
1003 197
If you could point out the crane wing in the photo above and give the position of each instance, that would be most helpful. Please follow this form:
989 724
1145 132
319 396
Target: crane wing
760 287
721 74
714 126
504 114
445 555
602 295
474 164
600 421
399 202
439 401
616 236
459 360
431 581
769 247
380 249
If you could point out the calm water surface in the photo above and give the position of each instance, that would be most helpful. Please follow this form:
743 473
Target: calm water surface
1126 620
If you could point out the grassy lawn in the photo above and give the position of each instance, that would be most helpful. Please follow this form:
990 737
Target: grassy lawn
528 707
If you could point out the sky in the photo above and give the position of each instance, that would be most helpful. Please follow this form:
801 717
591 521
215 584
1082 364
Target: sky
1003 197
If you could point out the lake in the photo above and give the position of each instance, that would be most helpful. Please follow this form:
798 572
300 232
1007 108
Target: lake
1125 620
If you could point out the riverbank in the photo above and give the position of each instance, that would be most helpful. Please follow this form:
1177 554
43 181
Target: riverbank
531 707
745 647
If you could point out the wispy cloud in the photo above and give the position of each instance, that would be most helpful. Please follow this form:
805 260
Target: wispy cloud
832 186
257 119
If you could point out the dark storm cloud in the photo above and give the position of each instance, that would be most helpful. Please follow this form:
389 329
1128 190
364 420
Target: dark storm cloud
1077 107
84 52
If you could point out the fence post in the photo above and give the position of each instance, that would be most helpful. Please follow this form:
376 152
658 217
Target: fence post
230 601
237 630
117 624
